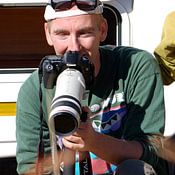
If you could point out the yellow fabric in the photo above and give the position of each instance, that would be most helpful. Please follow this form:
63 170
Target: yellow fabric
165 51
7 109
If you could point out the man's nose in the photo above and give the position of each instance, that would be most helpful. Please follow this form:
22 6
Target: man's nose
74 44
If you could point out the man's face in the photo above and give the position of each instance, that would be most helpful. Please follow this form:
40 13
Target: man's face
77 33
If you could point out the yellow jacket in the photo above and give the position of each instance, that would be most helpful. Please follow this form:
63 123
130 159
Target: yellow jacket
165 51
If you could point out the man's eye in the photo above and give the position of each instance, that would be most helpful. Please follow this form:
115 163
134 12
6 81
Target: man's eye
62 35
86 34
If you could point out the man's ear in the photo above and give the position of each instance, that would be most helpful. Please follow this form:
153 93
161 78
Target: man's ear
47 33
104 30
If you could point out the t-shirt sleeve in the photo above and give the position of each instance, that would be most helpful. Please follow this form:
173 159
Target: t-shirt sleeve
146 111
28 125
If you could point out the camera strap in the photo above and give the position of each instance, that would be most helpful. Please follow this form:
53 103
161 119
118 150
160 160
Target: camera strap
85 163
40 158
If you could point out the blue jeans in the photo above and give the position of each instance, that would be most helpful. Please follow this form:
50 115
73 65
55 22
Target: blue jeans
135 167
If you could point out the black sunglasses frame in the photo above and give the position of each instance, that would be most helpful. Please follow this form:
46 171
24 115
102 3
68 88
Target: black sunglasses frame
80 5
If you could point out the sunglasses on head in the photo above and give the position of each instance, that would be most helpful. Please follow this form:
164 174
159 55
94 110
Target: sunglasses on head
85 5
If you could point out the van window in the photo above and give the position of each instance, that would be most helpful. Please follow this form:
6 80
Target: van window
23 43
114 25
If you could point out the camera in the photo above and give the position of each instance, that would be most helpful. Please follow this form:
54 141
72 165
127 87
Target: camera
52 65
71 74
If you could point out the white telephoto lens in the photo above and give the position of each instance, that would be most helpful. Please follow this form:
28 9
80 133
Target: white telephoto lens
65 112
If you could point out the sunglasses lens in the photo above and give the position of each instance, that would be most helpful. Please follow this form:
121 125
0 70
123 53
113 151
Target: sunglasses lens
61 5
86 5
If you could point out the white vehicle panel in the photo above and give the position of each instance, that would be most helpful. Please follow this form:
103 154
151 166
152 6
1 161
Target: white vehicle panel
10 85
8 126
7 149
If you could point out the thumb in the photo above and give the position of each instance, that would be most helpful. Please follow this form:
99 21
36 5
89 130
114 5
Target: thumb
85 113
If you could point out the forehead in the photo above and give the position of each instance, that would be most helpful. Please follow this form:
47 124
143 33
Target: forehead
75 21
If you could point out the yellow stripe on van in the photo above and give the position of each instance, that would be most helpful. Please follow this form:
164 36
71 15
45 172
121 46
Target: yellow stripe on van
7 109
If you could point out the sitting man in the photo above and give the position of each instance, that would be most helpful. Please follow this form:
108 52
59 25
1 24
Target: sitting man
125 102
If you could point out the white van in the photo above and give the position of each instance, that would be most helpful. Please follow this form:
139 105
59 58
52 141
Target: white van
136 23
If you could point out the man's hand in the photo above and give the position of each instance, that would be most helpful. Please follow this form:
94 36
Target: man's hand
82 139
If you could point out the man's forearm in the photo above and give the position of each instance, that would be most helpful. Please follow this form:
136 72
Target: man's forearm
115 150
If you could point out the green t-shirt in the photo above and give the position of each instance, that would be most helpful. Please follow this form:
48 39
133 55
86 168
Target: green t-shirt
126 102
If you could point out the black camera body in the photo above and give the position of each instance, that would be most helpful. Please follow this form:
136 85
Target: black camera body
71 74
52 65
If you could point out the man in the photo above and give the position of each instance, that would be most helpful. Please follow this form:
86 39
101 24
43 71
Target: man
125 103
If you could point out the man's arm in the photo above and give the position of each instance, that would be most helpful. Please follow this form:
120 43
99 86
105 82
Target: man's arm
106 147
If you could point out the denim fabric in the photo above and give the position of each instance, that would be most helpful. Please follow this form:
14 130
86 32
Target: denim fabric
135 167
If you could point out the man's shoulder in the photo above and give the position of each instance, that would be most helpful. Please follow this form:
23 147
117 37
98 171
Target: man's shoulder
122 49
32 81
133 60
126 53
33 77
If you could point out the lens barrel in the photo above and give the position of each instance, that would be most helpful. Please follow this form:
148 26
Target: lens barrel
65 111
